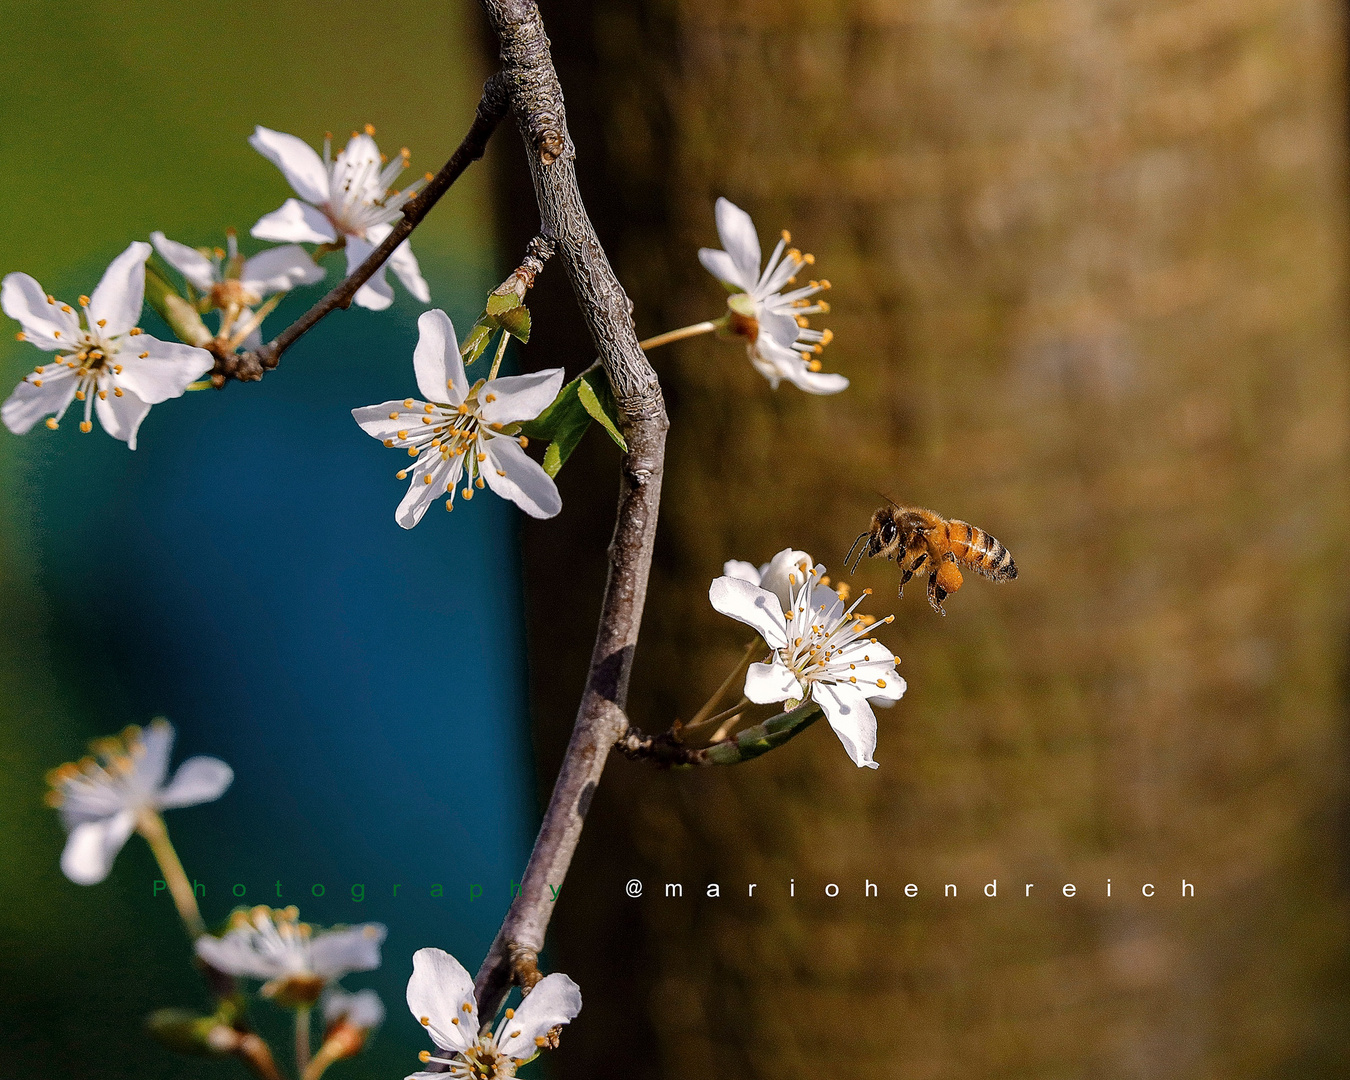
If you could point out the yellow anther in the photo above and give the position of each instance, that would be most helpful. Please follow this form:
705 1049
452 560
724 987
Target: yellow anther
407 403
384 159
413 451
787 237
86 426
219 252
102 323
827 335
482 457
403 434
20 336
467 1007
490 397
117 369
79 395
478 483
824 307
393 416
802 320
809 259
455 1019
511 1015
539 1040
51 299
426 420
428 408
135 331
402 474
370 129
56 333
428 177
117 391
426 479
815 365
424 1056
524 442
449 504
142 356
463 409
388 442
824 283
501 472
37 382
425 1021
51 422
103 395
881 683
84 301
467 493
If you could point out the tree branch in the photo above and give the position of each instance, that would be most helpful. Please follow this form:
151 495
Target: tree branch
250 366
536 98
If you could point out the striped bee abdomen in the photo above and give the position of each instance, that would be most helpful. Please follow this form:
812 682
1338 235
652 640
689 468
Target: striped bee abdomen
975 548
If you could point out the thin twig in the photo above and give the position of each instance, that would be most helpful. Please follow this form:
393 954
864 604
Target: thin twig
536 98
250 366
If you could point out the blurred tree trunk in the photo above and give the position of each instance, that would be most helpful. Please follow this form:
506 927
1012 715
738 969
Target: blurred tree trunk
1089 284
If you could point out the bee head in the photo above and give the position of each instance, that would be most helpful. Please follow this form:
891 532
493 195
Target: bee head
884 535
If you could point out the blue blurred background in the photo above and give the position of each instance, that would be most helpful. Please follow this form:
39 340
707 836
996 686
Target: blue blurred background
241 572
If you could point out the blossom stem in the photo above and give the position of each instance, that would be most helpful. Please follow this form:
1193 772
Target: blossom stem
151 826
677 335
723 715
302 1049
703 715
501 352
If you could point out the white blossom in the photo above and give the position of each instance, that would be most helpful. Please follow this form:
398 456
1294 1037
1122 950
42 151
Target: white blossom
102 357
464 431
775 324
440 995
820 650
235 288
344 200
362 1010
296 961
102 801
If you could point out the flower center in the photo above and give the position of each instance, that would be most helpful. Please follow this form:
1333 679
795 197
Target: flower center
231 293
741 317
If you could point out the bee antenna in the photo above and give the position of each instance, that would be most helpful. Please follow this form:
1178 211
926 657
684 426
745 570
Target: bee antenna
861 535
889 499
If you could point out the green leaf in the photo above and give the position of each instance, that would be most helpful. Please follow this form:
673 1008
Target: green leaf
761 738
563 423
471 348
500 303
598 400
516 322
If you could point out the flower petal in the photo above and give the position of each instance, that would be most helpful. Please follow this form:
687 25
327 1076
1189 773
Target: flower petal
376 293
851 717
403 263
376 422
280 269
421 494
235 954
49 326
723 267
191 263
519 397
815 382
295 222
152 759
766 683
165 372
751 605
436 360
122 417
338 952
357 168
739 240
363 1009
787 563
299 163
438 992
92 847
555 1000
743 570
782 328
198 780
30 402
117 300
525 483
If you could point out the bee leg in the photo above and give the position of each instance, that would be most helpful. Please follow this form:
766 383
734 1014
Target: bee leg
936 593
904 580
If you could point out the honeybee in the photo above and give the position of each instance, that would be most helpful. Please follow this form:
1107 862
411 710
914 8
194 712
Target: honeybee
918 538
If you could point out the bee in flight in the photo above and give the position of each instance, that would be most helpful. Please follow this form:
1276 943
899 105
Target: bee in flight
919 539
